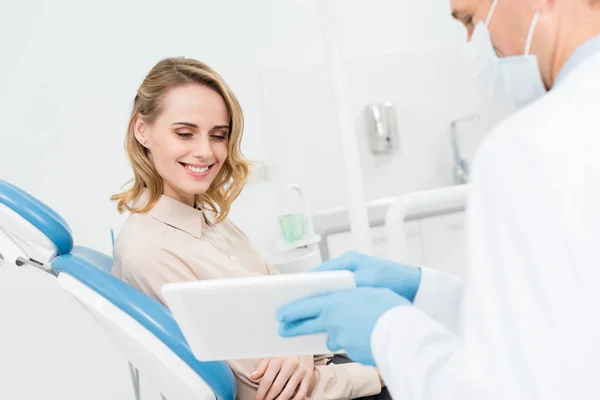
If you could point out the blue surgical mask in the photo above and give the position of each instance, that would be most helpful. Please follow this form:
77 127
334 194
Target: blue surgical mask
514 79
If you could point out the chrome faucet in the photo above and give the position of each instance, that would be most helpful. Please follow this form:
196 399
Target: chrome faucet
461 167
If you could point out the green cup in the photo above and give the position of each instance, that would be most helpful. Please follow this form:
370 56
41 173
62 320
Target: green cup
292 228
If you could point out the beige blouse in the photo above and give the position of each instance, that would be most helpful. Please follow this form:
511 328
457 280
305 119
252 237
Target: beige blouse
174 243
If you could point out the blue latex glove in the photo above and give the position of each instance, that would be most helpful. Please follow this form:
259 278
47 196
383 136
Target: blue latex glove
376 272
348 317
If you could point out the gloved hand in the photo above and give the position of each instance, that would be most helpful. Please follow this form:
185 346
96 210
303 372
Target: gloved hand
348 317
376 272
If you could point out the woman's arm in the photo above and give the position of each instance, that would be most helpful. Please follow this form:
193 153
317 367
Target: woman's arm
345 381
329 381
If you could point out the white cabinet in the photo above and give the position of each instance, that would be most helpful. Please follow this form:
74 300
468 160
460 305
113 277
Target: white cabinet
340 243
413 242
443 241
435 242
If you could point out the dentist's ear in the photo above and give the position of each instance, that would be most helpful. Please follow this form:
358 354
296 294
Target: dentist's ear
139 130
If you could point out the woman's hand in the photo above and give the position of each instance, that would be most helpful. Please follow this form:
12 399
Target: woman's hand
284 378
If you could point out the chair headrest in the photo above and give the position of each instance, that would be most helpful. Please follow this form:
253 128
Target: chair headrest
39 215
152 315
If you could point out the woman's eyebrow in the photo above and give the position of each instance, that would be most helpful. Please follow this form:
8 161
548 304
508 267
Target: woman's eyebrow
191 125
185 124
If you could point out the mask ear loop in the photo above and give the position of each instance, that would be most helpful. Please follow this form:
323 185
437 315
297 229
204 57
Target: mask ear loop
491 12
536 17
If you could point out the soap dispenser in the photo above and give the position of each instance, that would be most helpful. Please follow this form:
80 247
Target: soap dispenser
298 250
296 220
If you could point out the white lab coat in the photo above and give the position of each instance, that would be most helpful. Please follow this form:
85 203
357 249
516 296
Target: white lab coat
526 324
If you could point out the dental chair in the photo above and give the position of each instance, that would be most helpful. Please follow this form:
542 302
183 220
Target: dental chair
32 234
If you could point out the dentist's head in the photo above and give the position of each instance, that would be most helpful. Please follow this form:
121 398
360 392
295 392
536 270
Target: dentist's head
518 47
183 139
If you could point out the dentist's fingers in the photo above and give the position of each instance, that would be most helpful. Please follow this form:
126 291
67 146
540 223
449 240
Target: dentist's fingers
347 262
303 327
309 307
332 343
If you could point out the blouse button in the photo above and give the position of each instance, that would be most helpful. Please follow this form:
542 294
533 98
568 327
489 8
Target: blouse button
232 258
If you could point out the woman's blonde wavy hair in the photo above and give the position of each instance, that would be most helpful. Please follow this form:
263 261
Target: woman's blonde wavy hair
232 177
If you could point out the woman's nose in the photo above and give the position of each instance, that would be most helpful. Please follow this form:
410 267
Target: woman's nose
202 149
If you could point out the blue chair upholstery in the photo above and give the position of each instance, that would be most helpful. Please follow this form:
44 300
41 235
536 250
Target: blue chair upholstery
153 316
39 215
92 268
96 258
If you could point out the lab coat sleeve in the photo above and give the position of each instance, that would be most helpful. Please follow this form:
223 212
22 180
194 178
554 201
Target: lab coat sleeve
439 296
419 358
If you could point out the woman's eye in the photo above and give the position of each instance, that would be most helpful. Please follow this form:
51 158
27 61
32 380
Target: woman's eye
219 138
185 135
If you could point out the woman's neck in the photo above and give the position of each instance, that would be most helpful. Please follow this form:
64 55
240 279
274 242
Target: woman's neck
189 200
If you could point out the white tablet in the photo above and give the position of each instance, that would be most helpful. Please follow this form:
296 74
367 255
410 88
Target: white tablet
229 319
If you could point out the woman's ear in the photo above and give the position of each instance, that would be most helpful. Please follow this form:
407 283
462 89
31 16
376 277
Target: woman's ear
139 130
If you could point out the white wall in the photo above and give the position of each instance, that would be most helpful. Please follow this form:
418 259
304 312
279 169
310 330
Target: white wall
427 98
69 73
407 52
71 70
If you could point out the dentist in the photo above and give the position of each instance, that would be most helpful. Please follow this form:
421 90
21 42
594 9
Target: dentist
525 322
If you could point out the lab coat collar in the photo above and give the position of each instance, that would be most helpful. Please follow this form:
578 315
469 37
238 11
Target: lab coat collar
582 53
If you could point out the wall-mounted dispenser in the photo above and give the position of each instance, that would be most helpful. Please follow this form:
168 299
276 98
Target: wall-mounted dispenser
460 170
382 127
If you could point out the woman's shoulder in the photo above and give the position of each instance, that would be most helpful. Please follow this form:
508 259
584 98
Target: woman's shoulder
140 236
139 225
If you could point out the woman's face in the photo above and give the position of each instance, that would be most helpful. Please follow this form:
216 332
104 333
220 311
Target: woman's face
188 142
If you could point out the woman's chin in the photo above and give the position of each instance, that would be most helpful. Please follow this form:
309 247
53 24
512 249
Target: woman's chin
196 189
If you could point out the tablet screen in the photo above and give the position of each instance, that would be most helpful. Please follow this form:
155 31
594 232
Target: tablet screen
228 319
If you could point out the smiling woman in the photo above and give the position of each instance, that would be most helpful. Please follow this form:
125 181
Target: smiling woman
183 140
183 143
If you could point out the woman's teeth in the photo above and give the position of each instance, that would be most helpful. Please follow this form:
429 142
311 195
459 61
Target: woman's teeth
196 169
